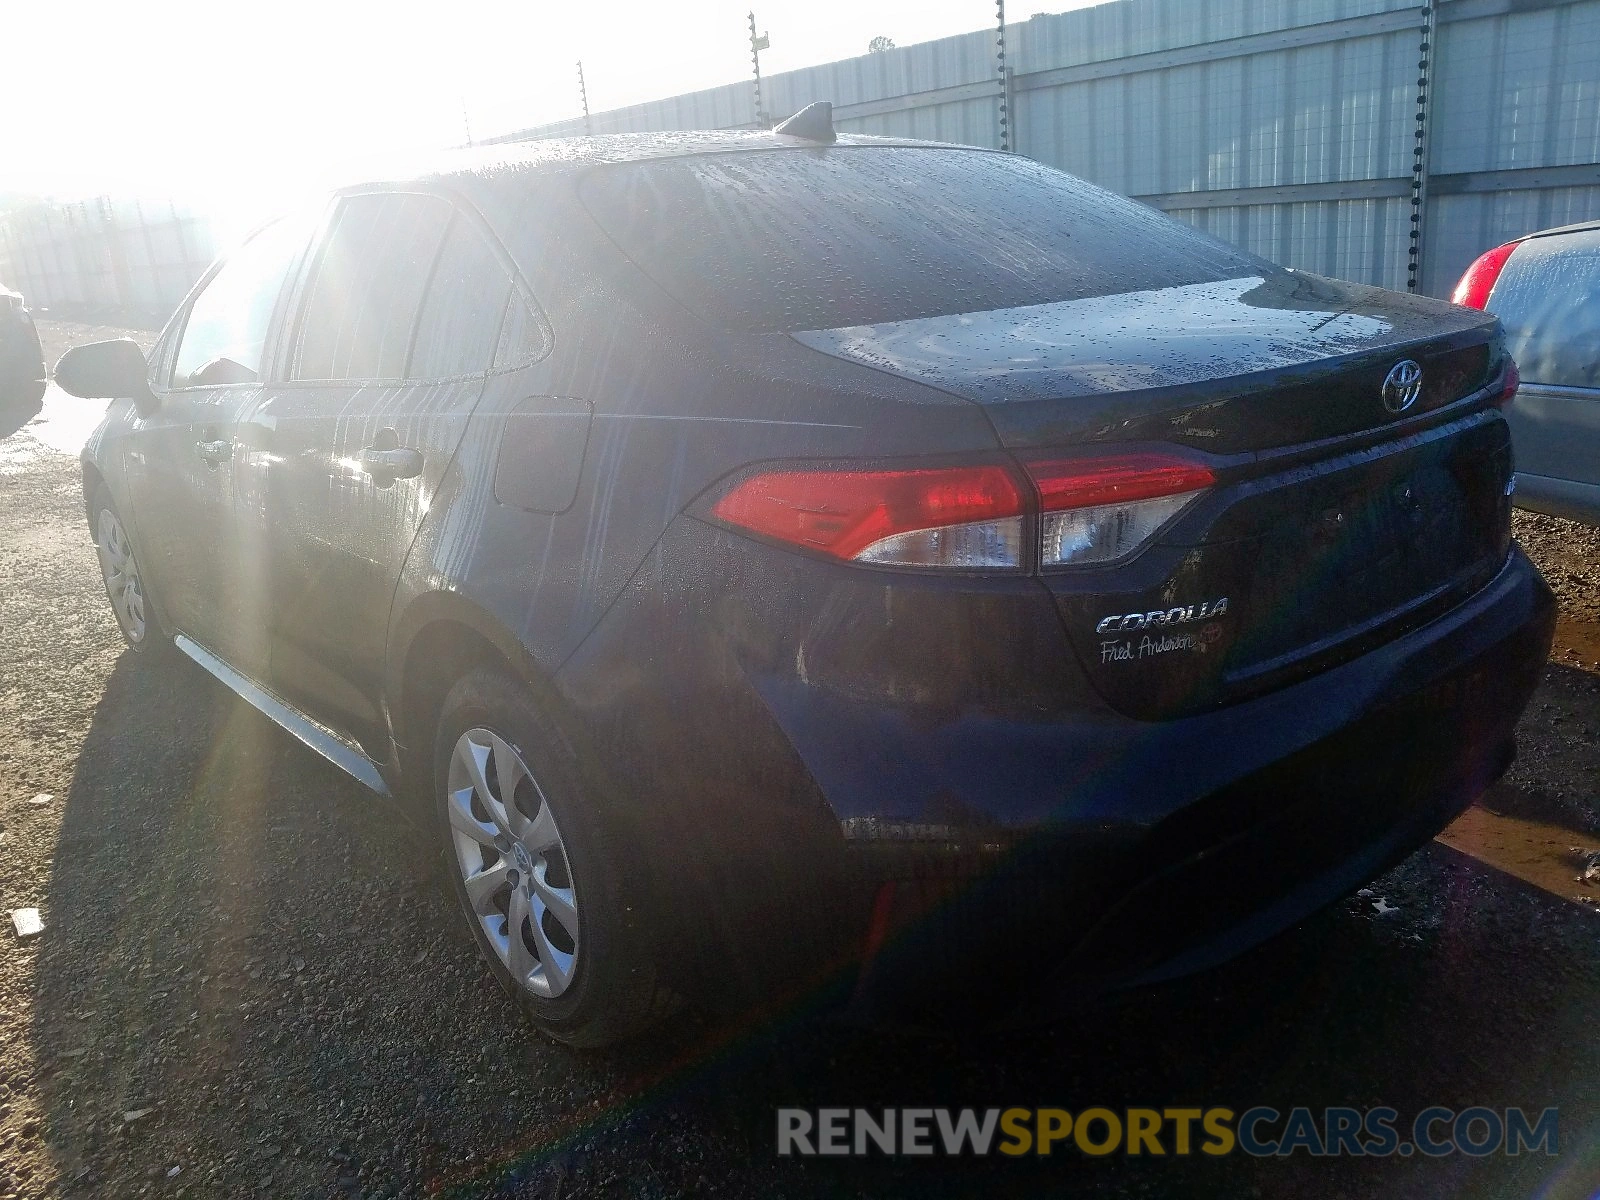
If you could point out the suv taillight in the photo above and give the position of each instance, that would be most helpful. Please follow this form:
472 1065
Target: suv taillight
1478 280
1095 510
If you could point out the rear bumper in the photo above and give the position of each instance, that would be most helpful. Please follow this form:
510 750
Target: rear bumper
1097 774
1259 818
1011 812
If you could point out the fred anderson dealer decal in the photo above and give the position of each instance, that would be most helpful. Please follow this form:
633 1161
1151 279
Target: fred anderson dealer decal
1150 645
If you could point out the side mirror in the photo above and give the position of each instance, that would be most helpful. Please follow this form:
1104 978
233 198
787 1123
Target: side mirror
107 370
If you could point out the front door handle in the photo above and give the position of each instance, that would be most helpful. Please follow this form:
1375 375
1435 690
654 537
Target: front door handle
388 465
215 452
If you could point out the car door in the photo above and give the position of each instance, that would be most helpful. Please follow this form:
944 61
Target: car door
179 458
1548 296
397 321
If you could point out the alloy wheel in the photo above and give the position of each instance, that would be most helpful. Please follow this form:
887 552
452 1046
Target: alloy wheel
121 572
513 863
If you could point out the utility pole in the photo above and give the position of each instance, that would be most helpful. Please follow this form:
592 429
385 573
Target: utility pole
465 122
757 45
583 97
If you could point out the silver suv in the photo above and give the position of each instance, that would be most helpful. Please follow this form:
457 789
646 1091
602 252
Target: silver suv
1545 287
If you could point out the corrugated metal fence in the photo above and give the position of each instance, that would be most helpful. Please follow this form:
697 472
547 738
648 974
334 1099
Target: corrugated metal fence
134 259
1287 126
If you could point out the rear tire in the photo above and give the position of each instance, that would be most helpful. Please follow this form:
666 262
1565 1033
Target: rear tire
533 868
127 587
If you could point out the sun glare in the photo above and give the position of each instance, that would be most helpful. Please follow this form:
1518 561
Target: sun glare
237 108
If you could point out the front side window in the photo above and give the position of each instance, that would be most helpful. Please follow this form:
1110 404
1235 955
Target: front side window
1548 296
367 287
224 338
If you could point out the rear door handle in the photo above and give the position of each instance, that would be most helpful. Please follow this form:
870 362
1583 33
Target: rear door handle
389 465
215 452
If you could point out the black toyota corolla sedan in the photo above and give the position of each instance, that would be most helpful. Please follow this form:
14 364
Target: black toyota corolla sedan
770 561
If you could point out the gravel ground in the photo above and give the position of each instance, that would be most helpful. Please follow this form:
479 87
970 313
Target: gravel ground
1543 820
251 980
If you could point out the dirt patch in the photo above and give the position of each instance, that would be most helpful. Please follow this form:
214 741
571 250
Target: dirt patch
1569 556
1543 854
1549 802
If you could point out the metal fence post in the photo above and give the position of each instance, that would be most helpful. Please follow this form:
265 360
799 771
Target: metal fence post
1419 165
1005 75
583 98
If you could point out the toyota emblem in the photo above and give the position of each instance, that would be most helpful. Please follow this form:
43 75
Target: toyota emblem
1402 385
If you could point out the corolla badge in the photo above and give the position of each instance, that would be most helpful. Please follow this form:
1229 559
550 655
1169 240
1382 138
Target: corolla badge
1402 385
1180 615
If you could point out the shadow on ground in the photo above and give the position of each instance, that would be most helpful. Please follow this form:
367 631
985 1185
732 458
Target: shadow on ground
248 947
1558 746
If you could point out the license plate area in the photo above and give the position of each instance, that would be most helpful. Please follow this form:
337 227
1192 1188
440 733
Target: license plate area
1317 562
1367 548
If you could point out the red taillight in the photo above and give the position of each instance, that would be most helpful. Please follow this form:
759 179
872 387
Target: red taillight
1509 384
1114 479
1478 280
1092 509
937 516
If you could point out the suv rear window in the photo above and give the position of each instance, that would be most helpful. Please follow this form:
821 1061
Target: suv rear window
858 235
1548 297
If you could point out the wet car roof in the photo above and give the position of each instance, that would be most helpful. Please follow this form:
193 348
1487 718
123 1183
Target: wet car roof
554 155
1556 231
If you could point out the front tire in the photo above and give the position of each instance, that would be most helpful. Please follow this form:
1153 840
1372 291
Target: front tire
125 582
527 852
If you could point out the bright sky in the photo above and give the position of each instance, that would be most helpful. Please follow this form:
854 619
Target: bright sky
236 106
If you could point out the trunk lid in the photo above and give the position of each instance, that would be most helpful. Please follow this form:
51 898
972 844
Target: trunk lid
1245 364
1335 524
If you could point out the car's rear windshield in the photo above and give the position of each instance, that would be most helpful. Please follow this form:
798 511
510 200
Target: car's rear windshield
857 235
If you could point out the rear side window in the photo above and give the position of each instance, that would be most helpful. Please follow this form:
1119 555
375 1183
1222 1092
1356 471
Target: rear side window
367 288
460 320
522 336
1548 297
854 235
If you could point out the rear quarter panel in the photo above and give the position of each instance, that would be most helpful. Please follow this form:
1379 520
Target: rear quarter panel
675 406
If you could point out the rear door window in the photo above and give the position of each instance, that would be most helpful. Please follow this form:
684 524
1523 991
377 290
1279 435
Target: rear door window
461 314
367 287
1548 297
